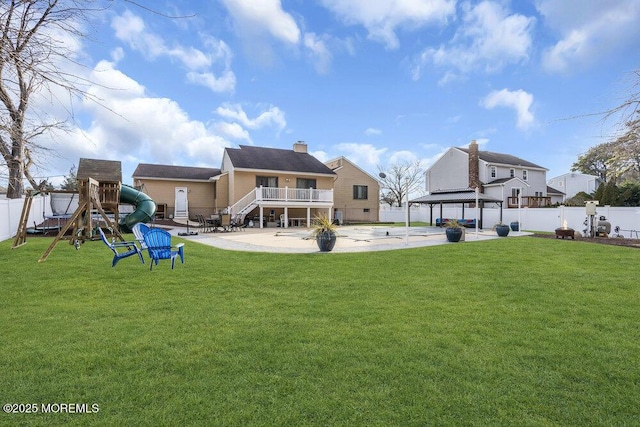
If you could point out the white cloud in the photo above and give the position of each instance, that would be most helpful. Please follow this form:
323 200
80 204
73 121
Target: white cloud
225 83
382 18
232 131
364 155
372 131
519 100
490 36
318 51
133 127
265 16
272 117
402 156
600 29
131 29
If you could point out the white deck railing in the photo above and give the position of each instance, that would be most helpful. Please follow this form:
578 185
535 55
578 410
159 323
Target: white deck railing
277 194
287 194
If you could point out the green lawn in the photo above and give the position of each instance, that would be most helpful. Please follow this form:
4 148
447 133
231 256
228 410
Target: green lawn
517 331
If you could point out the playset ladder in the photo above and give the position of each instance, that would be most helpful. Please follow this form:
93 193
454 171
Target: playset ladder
21 235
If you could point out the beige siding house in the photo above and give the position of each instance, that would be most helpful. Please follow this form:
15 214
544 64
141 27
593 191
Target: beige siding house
356 194
179 191
266 186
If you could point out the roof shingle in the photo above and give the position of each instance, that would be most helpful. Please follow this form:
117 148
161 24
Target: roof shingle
147 170
504 159
261 158
100 170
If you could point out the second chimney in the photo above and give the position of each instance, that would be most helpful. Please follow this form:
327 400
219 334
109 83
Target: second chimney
474 166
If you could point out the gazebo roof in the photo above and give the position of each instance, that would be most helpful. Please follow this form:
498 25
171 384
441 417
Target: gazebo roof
454 197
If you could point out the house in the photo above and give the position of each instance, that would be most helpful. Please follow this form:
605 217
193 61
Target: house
272 185
501 177
177 190
573 183
356 194
556 196
268 186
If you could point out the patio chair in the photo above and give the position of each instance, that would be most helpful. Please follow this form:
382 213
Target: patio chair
131 248
203 224
158 243
139 230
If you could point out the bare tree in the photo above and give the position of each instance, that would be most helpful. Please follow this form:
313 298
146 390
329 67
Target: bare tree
401 179
34 59
619 157
32 50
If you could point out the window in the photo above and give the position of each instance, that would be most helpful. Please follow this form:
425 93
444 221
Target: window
305 183
494 172
525 174
512 173
366 210
360 192
267 181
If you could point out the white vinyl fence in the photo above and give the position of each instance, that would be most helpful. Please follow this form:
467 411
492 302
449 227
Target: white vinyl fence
11 209
537 219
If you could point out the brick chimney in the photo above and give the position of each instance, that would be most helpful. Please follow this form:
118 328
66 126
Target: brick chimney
300 147
474 166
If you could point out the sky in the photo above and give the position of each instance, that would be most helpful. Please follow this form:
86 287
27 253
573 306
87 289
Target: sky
376 81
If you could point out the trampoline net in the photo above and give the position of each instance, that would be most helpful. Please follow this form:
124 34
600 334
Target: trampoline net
63 204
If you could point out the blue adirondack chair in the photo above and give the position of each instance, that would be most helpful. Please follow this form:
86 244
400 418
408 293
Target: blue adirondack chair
158 243
139 230
130 248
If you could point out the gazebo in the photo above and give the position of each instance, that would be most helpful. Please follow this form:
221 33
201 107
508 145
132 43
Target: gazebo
462 196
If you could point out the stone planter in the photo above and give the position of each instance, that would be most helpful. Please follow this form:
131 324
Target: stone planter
453 234
502 230
326 241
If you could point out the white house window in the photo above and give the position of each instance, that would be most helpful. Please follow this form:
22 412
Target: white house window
512 173
494 172
525 174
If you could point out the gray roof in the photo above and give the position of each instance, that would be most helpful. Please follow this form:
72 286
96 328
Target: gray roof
503 159
454 197
261 158
100 170
551 190
146 170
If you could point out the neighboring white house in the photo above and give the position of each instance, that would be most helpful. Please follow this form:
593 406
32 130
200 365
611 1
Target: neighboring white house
574 182
499 176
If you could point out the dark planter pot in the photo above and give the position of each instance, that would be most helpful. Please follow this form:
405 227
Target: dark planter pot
453 234
515 226
326 241
502 230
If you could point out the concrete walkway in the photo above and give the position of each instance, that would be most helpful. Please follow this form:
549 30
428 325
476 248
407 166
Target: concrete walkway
351 238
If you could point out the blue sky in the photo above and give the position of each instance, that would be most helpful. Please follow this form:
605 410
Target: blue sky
375 81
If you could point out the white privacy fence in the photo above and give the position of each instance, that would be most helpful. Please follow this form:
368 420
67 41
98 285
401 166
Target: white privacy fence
11 209
537 219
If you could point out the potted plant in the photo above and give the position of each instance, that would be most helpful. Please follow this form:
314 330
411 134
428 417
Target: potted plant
324 230
502 229
453 231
